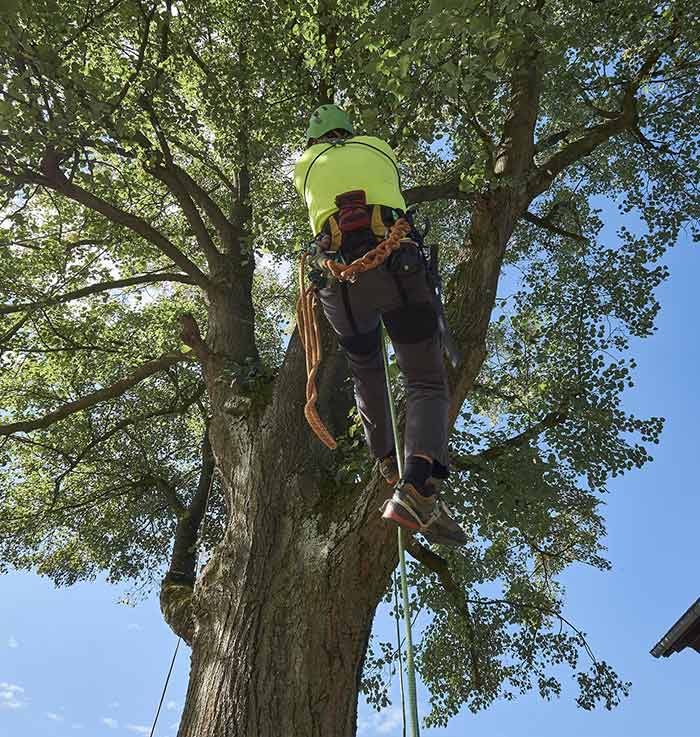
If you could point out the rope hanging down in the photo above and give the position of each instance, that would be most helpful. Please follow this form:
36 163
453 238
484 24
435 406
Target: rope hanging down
410 666
308 324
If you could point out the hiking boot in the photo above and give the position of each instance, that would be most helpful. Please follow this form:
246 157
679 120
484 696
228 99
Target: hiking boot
444 531
389 469
426 514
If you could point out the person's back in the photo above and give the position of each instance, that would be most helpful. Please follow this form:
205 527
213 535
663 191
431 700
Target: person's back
330 167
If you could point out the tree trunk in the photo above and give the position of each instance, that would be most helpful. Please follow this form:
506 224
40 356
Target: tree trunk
283 610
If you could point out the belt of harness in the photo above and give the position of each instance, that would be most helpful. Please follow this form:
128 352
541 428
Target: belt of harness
308 323
374 257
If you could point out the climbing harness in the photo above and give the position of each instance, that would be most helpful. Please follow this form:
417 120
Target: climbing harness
374 257
307 322
410 666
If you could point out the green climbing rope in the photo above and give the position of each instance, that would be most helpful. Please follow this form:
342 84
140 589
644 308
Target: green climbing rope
410 667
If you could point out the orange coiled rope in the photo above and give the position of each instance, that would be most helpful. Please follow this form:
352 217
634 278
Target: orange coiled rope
311 340
308 324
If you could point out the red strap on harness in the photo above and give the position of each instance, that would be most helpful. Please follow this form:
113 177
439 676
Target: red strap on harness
354 213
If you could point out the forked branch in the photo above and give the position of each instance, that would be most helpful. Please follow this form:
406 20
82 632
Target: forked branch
101 395
624 119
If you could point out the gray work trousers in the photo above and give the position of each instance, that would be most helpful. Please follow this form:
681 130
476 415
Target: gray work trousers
397 291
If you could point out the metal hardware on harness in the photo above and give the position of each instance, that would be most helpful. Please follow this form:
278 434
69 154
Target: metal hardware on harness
372 258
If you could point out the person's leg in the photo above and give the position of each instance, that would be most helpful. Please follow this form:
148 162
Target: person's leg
364 354
413 330
351 311
412 326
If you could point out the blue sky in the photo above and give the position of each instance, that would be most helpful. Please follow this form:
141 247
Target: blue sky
76 662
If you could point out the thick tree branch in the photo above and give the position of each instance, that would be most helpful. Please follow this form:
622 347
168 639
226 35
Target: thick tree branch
544 143
202 158
171 497
625 119
52 178
544 223
176 607
106 286
170 176
552 419
431 192
493 218
481 131
227 233
176 589
517 145
101 395
191 336
13 330
573 152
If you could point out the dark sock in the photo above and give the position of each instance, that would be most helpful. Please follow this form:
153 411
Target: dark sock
417 472
439 471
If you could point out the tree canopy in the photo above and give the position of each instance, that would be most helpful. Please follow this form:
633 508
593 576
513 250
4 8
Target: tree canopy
145 158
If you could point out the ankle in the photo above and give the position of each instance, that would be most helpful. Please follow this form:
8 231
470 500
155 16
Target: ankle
417 470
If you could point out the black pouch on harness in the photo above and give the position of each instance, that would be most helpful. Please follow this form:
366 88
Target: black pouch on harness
406 260
354 213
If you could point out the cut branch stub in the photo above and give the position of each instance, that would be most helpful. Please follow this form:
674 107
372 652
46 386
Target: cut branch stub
191 336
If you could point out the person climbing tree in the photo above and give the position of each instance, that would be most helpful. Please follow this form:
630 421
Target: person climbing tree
351 187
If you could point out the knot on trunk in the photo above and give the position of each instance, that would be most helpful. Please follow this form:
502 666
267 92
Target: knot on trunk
176 606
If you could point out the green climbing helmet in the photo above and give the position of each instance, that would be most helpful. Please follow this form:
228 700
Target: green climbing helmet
327 118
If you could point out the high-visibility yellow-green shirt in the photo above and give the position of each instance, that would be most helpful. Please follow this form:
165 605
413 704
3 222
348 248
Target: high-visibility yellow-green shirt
342 168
